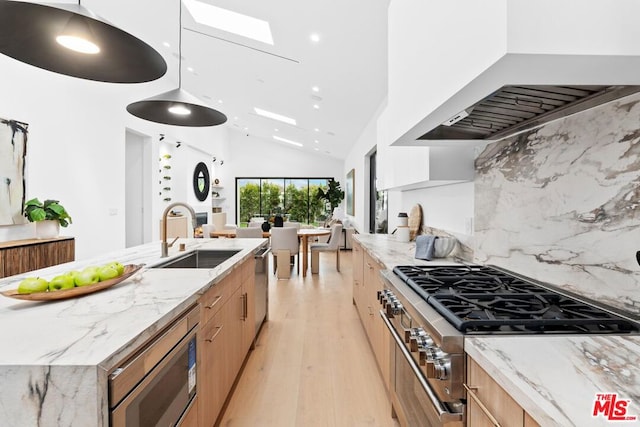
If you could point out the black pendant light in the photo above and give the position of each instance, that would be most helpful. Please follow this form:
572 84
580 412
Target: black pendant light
177 107
69 39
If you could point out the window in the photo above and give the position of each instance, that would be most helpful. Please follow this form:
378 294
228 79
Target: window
294 198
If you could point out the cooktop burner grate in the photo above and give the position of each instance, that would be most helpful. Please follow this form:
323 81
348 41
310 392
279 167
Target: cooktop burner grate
481 299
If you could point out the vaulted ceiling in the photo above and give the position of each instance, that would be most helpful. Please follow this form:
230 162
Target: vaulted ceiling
235 74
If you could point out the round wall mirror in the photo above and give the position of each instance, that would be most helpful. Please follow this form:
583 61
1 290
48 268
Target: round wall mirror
201 181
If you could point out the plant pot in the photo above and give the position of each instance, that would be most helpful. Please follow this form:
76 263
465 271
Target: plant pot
47 229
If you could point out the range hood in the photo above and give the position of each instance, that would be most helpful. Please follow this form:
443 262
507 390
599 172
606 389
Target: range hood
515 108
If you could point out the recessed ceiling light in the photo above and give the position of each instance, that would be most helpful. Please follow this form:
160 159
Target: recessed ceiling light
315 37
288 141
316 106
166 44
246 128
235 118
316 149
190 69
277 130
315 89
317 130
219 101
275 116
316 141
232 22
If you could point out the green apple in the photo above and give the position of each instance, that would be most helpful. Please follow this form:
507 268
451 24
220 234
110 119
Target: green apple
107 272
117 265
63 281
33 284
88 276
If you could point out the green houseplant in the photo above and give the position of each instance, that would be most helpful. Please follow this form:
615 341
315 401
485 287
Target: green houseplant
334 195
48 216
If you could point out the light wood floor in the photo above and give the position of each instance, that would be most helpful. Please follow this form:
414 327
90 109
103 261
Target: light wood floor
312 365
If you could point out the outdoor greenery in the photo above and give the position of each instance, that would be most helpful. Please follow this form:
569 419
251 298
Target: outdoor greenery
299 203
333 195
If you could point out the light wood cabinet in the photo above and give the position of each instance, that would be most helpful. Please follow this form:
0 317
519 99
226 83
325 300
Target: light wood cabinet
249 304
213 383
358 273
226 333
366 285
488 404
22 256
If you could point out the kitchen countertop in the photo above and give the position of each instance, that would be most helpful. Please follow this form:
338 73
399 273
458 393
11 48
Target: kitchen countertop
554 378
55 355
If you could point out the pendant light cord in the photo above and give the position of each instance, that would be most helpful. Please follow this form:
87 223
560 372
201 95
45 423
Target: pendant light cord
180 46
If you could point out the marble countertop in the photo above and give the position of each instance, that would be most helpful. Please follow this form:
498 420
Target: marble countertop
388 251
554 378
55 355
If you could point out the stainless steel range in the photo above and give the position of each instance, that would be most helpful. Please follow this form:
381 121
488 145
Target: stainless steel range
429 310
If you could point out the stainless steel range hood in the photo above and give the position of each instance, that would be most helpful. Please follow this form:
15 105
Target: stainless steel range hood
513 109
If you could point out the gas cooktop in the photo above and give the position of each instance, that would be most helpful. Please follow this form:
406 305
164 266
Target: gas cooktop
481 299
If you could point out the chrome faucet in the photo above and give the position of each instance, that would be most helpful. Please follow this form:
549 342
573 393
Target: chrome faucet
165 245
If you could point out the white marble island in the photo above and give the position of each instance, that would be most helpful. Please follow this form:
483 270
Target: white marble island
55 356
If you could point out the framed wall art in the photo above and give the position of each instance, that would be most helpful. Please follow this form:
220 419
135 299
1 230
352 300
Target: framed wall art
13 151
349 196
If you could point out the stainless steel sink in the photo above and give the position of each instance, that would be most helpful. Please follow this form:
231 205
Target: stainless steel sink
200 258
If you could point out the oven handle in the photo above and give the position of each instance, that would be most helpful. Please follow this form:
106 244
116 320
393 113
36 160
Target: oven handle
444 414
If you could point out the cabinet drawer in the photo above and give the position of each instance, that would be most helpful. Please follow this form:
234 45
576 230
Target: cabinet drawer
248 269
214 298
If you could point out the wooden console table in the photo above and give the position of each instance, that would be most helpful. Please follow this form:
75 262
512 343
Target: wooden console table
20 256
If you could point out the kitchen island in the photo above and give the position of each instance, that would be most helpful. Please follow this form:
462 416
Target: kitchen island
55 356
554 378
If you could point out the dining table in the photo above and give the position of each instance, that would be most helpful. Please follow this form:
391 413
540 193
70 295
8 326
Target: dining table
303 234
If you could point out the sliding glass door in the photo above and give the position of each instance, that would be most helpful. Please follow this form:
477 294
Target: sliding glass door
293 198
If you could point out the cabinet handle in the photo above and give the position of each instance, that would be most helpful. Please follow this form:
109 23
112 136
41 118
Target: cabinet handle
245 308
471 393
213 337
370 266
370 310
215 301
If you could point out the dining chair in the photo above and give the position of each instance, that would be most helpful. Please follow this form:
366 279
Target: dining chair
332 246
284 245
249 232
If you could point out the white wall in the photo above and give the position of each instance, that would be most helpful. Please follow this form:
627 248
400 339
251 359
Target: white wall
76 147
249 156
435 48
575 27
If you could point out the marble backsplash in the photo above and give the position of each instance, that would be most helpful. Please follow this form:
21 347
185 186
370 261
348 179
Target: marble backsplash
560 204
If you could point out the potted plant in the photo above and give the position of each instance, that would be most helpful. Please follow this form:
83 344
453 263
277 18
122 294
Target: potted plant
334 194
48 216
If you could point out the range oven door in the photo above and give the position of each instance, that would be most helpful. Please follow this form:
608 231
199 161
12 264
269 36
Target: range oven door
419 404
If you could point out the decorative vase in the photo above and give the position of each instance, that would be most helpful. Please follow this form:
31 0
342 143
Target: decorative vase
47 229
266 226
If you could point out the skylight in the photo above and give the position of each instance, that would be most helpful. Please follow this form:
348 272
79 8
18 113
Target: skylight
232 22
288 141
275 116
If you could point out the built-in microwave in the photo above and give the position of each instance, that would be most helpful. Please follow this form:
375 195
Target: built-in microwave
158 384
